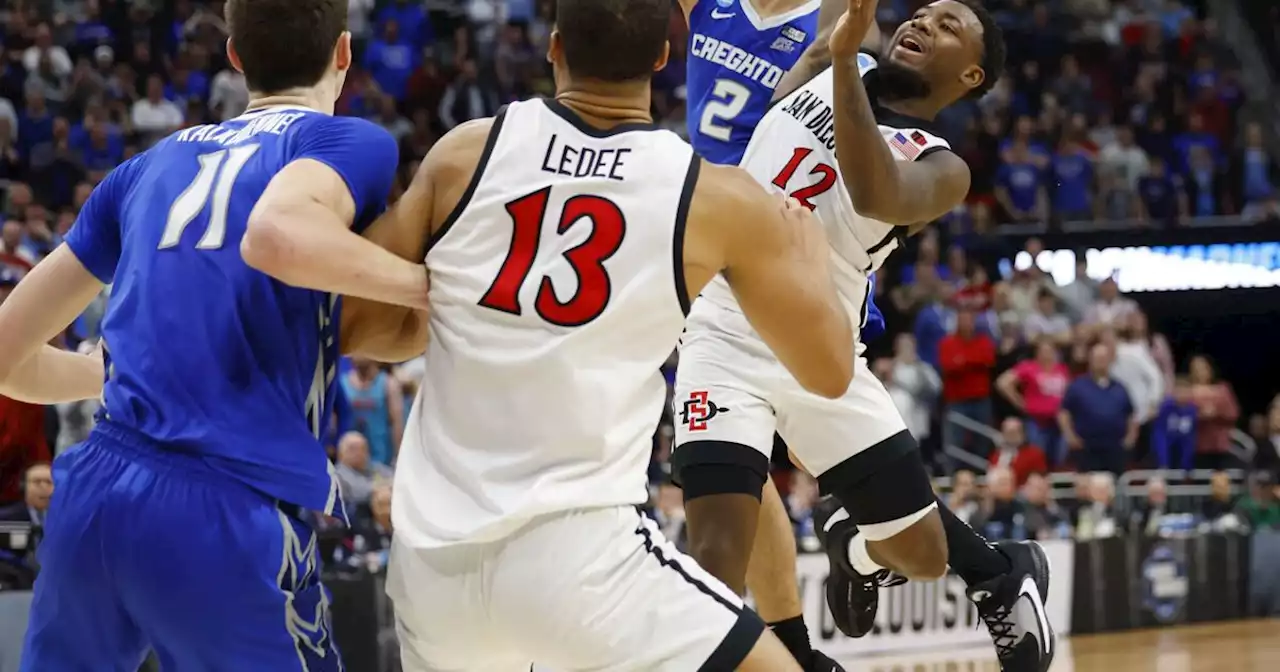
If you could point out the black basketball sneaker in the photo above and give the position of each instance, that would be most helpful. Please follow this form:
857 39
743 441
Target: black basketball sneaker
1012 606
852 597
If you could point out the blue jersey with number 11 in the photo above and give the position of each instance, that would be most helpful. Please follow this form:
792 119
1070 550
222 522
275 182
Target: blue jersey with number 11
736 60
206 356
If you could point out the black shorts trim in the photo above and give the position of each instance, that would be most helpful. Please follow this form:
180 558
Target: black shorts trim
682 220
717 452
742 637
474 184
737 645
656 551
865 464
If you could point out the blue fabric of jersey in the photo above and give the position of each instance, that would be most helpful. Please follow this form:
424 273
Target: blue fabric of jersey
734 66
205 355
146 549
735 63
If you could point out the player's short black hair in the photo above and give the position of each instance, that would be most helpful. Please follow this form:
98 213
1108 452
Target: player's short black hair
613 40
285 44
994 51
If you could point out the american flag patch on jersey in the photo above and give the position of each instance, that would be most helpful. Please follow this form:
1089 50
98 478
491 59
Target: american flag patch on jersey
904 146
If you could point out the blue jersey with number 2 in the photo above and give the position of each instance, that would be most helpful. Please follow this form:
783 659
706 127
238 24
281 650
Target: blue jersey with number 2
205 355
736 60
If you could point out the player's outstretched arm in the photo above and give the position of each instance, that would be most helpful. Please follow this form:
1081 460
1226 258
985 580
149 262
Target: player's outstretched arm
300 230
905 193
47 300
817 56
775 256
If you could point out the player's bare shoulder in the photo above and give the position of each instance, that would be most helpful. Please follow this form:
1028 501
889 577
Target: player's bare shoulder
723 213
453 166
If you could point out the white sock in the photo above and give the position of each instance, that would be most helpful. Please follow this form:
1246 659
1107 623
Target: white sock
860 558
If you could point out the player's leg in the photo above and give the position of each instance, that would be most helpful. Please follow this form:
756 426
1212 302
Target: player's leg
602 589
723 440
738 528
775 588
216 575
77 621
888 508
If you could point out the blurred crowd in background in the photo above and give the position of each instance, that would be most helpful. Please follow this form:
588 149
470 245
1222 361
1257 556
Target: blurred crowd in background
1119 110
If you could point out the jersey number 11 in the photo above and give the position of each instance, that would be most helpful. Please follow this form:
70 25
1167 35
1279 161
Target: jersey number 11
218 173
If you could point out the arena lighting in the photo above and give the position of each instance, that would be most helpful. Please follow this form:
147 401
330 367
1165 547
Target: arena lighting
1167 268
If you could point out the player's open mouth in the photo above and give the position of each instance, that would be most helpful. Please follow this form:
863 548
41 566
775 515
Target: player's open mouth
910 44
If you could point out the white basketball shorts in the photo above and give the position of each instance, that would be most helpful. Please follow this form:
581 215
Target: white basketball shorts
593 589
729 394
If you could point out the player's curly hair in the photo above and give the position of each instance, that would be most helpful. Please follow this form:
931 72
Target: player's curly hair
994 50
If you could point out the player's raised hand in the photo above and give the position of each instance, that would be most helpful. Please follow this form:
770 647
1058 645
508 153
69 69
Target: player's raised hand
852 28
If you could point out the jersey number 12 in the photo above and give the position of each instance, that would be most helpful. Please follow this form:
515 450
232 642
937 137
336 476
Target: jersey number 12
218 173
528 216
825 173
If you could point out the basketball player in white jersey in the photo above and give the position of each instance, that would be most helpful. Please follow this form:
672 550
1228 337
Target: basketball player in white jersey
855 144
565 240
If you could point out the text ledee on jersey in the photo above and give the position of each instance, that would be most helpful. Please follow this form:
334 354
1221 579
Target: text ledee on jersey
562 158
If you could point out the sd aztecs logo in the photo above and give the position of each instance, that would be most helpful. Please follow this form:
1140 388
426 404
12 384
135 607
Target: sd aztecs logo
698 409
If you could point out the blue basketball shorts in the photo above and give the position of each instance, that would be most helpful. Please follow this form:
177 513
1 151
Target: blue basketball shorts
151 550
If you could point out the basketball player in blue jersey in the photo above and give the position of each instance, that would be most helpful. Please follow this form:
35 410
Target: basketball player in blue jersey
739 52
178 525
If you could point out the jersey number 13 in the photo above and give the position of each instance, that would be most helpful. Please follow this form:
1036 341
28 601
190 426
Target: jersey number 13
528 216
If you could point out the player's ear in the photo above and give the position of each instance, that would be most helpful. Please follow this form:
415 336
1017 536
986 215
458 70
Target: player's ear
666 55
973 76
554 47
342 56
233 58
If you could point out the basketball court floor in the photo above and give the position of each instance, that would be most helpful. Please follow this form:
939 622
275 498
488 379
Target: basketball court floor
1242 646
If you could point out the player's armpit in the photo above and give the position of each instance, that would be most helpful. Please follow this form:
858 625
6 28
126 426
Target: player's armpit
300 233
775 257
390 333
47 300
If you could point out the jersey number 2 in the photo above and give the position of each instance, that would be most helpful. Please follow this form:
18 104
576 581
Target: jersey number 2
528 213
825 173
218 173
730 98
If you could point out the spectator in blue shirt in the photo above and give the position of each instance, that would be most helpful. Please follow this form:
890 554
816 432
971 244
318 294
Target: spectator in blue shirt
411 19
1097 418
1205 185
35 123
1254 174
1184 144
391 59
1161 194
1073 170
1173 434
1020 187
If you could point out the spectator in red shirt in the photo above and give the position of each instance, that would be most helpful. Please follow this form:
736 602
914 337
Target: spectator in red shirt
1017 454
967 358
1218 412
22 435
1036 387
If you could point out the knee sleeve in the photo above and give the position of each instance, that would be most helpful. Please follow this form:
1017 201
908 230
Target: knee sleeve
885 485
701 480
704 468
